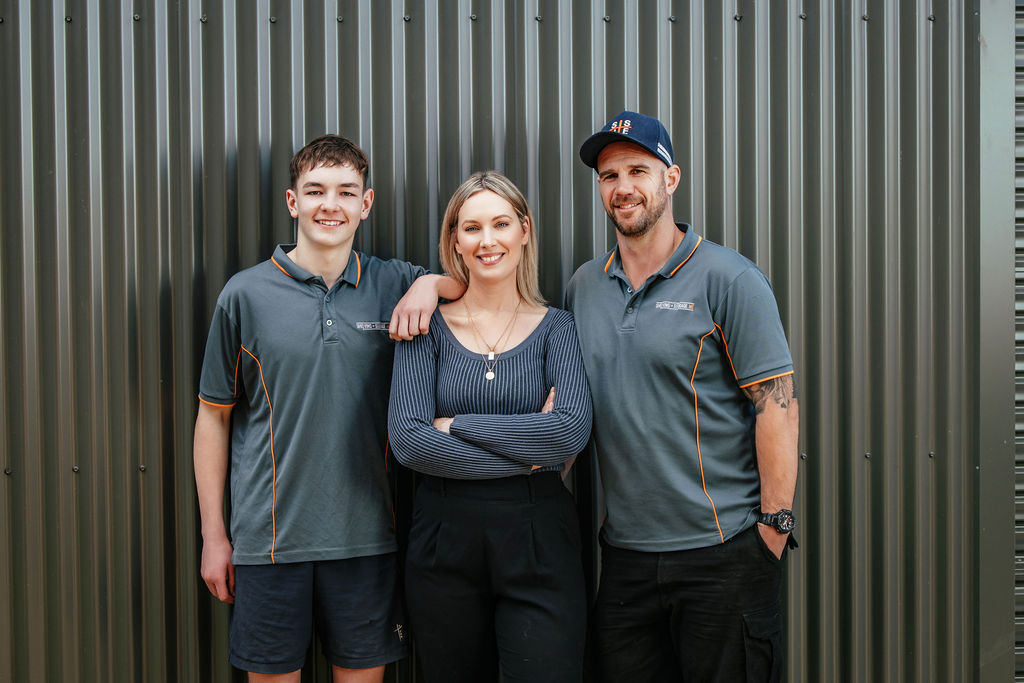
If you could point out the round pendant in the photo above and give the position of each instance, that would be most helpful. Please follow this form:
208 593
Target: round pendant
489 375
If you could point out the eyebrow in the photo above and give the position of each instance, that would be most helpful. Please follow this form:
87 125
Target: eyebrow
313 183
493 218
646 167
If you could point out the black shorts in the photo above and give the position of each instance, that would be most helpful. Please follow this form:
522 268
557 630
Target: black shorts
355 604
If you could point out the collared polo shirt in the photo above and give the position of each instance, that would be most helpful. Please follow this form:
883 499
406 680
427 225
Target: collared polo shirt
308 370
667 365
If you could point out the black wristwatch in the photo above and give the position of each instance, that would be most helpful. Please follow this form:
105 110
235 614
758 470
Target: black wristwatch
782 521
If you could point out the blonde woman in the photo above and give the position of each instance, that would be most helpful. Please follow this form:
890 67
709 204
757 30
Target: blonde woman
490 406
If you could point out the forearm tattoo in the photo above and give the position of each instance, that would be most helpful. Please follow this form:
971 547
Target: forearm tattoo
781 390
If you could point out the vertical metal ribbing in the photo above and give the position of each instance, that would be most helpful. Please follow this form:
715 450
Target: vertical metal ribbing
853 158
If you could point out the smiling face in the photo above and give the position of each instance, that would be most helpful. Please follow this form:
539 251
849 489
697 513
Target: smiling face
635 186
490 236
329 202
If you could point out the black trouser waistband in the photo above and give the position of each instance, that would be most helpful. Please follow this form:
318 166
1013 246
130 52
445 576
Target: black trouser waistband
522 487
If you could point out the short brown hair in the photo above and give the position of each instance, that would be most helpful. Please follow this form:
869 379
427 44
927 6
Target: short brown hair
329 150
527 280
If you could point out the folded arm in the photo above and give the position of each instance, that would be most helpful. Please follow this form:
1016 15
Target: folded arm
415 441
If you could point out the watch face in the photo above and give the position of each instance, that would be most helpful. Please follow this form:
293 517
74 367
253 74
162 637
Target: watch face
784 521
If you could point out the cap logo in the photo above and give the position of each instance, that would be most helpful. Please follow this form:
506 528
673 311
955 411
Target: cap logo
621 126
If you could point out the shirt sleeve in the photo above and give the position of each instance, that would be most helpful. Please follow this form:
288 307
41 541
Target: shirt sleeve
219 379
407 272
415 441
541 438
752 330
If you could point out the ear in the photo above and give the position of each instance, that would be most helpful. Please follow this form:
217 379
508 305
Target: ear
672 177
526 231
367 203
291 198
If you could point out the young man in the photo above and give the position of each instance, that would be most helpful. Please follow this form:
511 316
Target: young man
294 387
695 422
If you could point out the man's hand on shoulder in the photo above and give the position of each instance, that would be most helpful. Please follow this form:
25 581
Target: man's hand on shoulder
412 312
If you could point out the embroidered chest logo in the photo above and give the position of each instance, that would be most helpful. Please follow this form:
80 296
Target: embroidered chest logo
674 305
373 326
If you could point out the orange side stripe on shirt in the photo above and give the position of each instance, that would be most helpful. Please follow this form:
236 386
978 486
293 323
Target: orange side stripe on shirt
238 361
696 416
728 355
273 462
359 269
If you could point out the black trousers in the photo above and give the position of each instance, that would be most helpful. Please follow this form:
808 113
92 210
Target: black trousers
703 615
494 579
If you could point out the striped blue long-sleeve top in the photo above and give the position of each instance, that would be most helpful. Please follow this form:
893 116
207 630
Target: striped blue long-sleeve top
497 429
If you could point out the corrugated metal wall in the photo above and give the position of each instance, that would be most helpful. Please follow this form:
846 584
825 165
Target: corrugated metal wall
859 151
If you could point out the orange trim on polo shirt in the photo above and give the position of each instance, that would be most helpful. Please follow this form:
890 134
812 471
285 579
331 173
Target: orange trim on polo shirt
699 240
764 379
238 361
279 266
273 461
727 354
696 417
609 261
359 268
216 405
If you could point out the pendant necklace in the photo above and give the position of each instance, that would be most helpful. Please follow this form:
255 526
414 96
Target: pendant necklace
491 357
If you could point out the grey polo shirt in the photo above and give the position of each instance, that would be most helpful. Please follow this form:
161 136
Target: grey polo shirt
308 371
667 364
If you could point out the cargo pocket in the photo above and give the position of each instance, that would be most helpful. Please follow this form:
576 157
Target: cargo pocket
762 643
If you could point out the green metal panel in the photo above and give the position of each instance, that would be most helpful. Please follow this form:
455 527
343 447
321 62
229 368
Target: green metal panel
857 150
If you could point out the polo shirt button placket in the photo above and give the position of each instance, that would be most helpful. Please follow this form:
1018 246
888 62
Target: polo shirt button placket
629 317
330 329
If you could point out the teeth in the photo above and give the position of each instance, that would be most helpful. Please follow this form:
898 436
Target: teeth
490 259
330 224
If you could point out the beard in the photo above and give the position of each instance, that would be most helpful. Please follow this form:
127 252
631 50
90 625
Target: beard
647 219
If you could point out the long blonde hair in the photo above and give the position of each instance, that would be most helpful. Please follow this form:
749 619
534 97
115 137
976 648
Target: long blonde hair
527 280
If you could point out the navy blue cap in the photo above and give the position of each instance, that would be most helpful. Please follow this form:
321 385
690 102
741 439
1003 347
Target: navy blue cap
629 126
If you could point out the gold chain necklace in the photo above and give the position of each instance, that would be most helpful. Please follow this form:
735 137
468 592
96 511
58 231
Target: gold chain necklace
490 359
